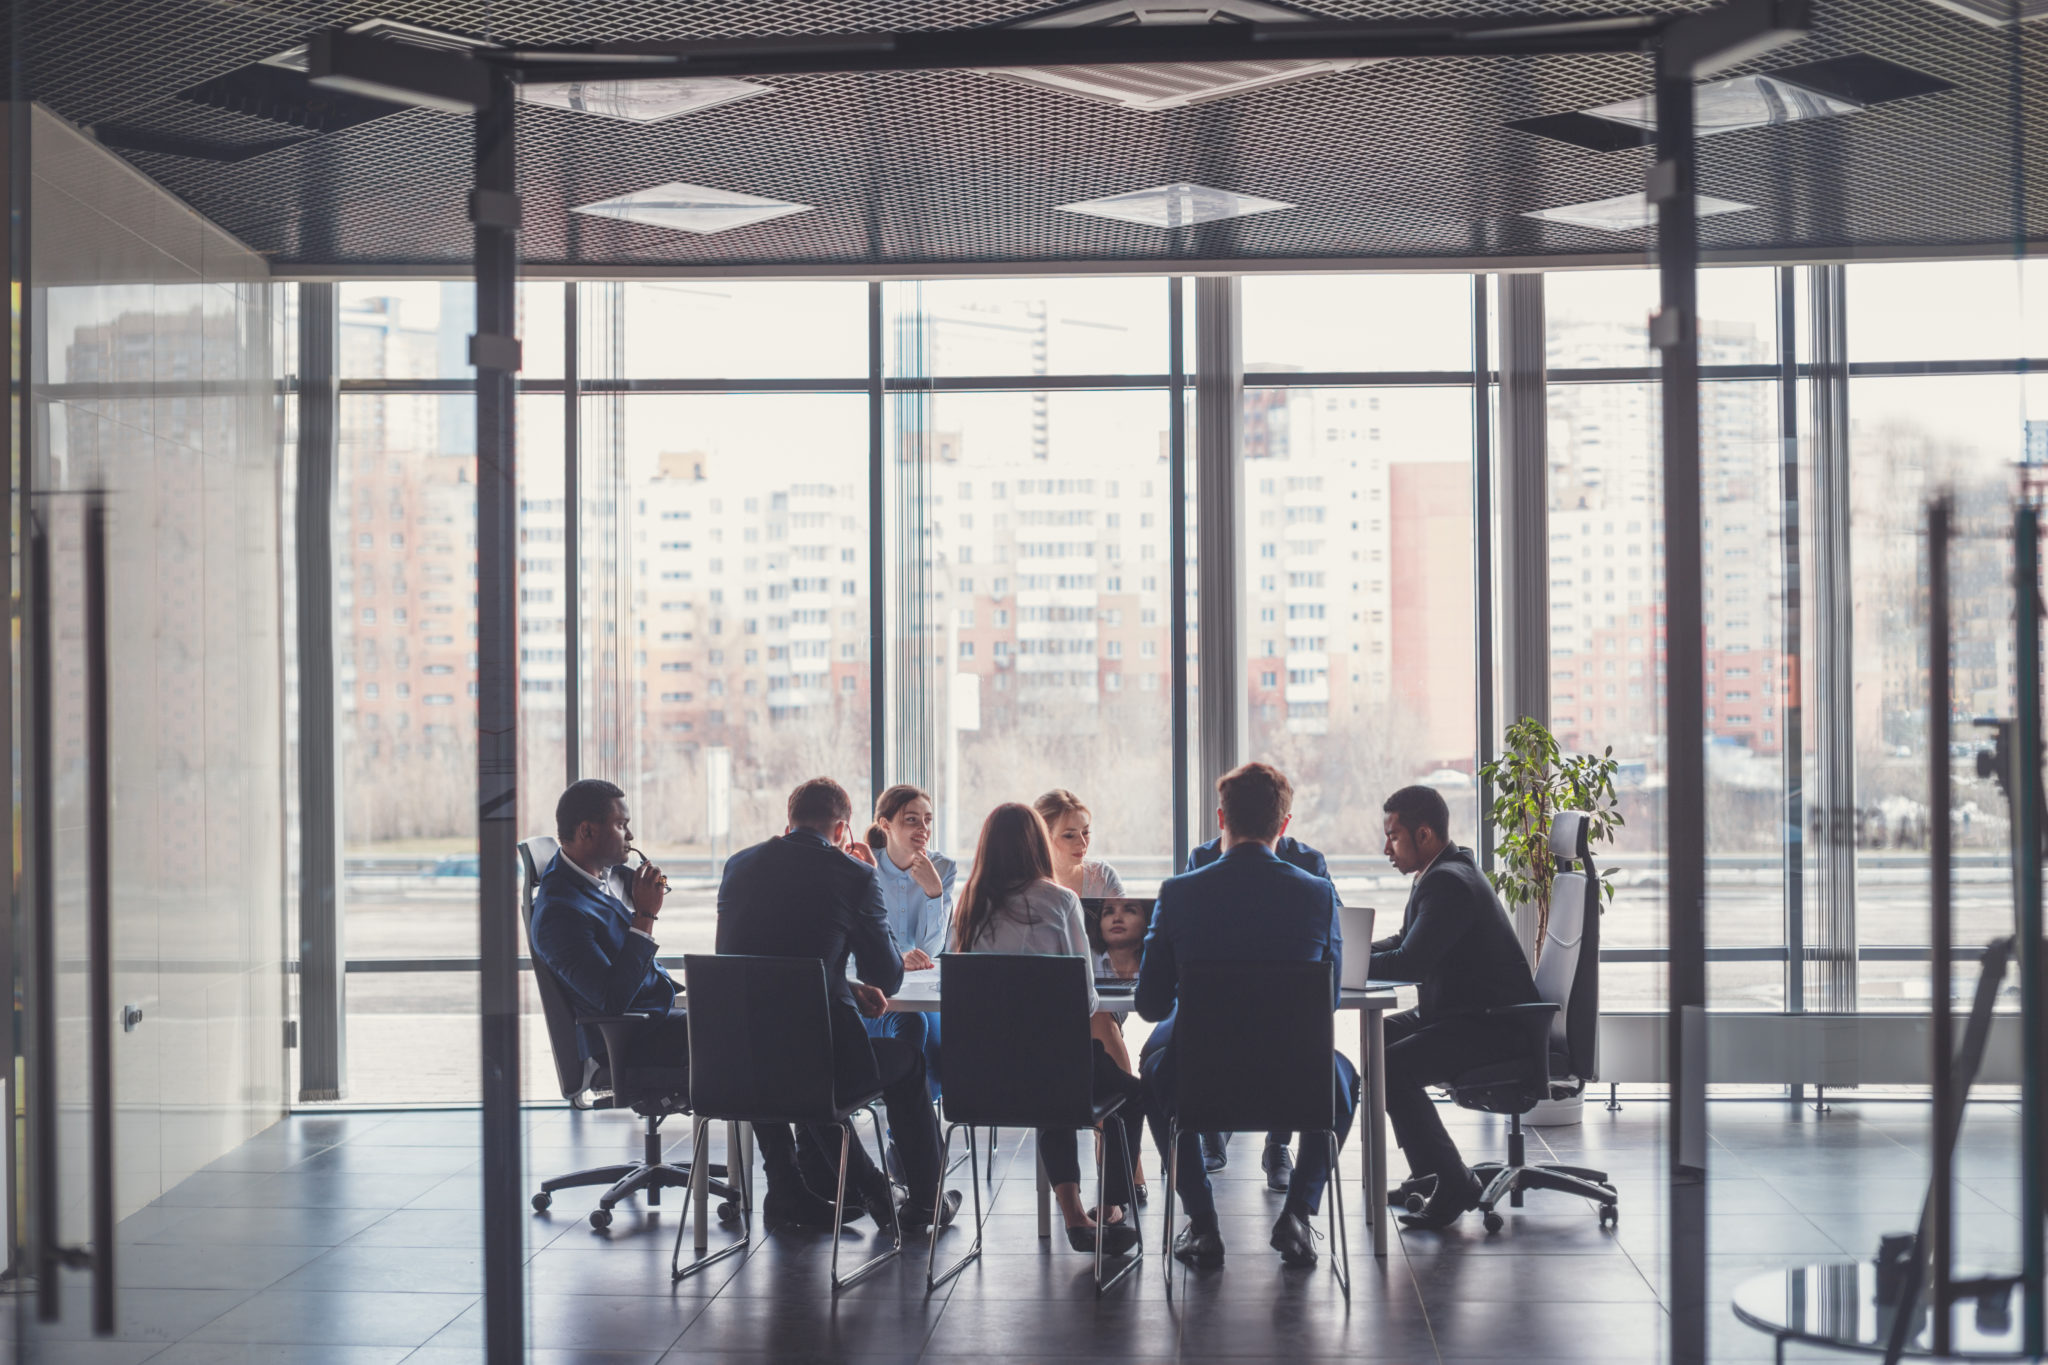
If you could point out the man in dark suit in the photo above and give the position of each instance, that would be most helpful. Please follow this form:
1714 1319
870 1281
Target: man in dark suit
602 950
800 895
1247 906
1275 1161
1456 943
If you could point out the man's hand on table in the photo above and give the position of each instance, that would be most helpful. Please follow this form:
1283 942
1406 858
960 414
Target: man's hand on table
917 960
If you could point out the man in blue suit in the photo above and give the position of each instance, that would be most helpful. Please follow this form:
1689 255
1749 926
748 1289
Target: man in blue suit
801 895
1247 906
1276 1161
602 951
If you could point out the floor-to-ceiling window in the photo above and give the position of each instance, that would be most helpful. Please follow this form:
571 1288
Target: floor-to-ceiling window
714 643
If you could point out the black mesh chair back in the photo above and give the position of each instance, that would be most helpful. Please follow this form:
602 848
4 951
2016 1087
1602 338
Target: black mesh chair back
1254 1043
1018 1050
576 1071
760 1039
761 1052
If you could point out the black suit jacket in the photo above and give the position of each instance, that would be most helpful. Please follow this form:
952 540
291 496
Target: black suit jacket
798 896
1456 943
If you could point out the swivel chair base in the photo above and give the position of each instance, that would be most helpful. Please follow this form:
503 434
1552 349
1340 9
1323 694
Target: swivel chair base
1510 1179
649 1174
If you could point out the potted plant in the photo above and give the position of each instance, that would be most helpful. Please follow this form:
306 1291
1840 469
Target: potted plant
1533 780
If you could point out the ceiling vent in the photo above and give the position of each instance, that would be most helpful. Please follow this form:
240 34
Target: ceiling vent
390 30
1168 86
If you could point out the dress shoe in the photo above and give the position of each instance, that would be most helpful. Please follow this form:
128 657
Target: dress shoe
1294 1239
1415 1186
916 1216
800 1208
1144 1194
1215 1151
1279 1164
1117 1239
1450 1201
1199 1247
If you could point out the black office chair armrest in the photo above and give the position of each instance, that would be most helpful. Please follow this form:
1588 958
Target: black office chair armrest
1536 1014
619 1030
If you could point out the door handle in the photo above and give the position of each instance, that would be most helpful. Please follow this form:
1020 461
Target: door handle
99 815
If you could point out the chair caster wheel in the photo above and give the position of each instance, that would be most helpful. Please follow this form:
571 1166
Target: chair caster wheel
728 1212
541 1201
1610 1216
600 1219
1493 1221
1415 1203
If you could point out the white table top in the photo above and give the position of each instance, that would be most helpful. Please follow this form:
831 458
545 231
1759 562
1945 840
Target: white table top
919 994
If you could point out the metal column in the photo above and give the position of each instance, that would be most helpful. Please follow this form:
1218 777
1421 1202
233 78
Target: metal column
572 533
1832 950
1177 555
1482 558
1522 480
1222 714
494 209
1673 187
1793 680
878 556
323 991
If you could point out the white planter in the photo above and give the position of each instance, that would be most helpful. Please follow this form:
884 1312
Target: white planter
1556 1113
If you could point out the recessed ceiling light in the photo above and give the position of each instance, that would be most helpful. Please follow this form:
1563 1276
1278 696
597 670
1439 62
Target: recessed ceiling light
1167 85
294 58
1174 206
641 101
692 208
1626 212
1740 102
1998 13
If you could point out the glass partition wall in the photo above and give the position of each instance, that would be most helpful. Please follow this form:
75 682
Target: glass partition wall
724 632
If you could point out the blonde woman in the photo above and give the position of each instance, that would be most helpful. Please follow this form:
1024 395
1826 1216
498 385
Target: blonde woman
1068 824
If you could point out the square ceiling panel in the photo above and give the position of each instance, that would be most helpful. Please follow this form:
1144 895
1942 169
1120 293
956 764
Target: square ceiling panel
692 208
1175 206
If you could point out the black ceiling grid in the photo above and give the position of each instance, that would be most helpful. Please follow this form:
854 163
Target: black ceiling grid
1401 160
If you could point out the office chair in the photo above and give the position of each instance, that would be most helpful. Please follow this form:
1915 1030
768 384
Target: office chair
1563 1024
588 1083
1019 1054
1255 1049
761 1052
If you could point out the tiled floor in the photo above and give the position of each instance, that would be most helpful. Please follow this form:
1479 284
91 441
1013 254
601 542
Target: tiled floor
354 1239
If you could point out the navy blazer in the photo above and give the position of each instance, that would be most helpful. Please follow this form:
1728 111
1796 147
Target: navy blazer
1289 849
586 939
1247 906
1456 943
798 896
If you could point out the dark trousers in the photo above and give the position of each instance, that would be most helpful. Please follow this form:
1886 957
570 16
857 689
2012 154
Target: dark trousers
900 1068
1420 1055
920 1029
1061 1153
1197 1198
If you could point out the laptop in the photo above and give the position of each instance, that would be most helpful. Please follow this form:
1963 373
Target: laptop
1356 922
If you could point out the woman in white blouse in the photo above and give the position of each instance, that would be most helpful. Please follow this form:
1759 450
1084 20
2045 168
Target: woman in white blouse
1012 905
1067 823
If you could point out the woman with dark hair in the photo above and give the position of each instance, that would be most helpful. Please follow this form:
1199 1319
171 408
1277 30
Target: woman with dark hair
917 892
1012 905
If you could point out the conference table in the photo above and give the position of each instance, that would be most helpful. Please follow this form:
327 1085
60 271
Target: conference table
920 993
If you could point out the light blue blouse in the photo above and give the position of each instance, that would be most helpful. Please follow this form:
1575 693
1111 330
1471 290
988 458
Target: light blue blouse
917 920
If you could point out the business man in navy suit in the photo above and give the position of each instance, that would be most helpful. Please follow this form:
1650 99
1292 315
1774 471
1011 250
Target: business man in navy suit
802 895
1275 1161
1247 906
602 950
